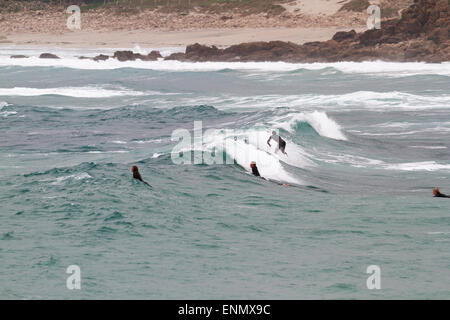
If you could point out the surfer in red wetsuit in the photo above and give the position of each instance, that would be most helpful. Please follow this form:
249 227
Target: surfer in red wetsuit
137 175
255 170
438 194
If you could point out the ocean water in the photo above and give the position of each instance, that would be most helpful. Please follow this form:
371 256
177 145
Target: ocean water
366 144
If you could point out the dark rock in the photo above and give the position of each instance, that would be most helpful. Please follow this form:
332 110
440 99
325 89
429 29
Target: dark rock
343 36
438 35
371 37
18 56
125 55
101 57
154 55
421 34
180 56
48 56
131 56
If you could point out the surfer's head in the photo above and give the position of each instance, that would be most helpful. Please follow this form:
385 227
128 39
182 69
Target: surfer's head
274 133
435 191
134 169
252 164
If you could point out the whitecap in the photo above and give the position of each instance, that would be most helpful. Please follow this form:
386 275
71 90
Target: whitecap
77 92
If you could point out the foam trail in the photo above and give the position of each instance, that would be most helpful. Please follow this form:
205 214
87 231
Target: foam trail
296 157
268 165
243 153
79 176
321 123
419 166
77 92
3 104
5 113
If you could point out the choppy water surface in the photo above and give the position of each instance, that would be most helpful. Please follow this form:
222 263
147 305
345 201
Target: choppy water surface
366 144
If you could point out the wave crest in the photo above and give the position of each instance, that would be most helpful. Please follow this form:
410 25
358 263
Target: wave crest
321 123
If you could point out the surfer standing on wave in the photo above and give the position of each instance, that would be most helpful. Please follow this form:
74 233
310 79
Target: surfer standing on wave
438 194
277 138
137 175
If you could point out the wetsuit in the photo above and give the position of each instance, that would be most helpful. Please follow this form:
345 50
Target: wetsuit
279 140
137 176
255 171
441 195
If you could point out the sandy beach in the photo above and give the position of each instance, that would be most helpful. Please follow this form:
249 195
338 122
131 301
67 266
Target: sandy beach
302 21
158 38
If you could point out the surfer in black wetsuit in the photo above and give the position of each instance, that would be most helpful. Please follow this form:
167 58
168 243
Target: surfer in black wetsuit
438 194
255 170
281 142
137 175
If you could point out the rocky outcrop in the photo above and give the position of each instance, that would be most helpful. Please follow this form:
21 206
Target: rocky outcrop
125 56
131 56
18 56
101 57
421 34
48 56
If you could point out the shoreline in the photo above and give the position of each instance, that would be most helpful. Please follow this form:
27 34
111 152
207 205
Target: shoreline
404 39
159 39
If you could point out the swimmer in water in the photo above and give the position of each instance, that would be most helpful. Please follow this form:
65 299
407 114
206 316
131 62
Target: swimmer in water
438 194
281 142
137 175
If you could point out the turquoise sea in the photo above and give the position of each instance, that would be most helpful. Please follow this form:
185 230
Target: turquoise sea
366 144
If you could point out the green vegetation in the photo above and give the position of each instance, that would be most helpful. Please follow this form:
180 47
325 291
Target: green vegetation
180 6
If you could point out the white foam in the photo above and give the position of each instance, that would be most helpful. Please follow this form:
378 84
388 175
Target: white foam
7 113
77 92
148 141
360 100
104 152
321 123
429 147
246 146
378 100
3 104
79 176
419 166
354 161
380 68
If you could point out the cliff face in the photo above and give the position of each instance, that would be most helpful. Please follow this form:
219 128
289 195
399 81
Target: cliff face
421 34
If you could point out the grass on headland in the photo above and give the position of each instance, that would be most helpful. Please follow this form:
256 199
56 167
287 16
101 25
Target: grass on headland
272 7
